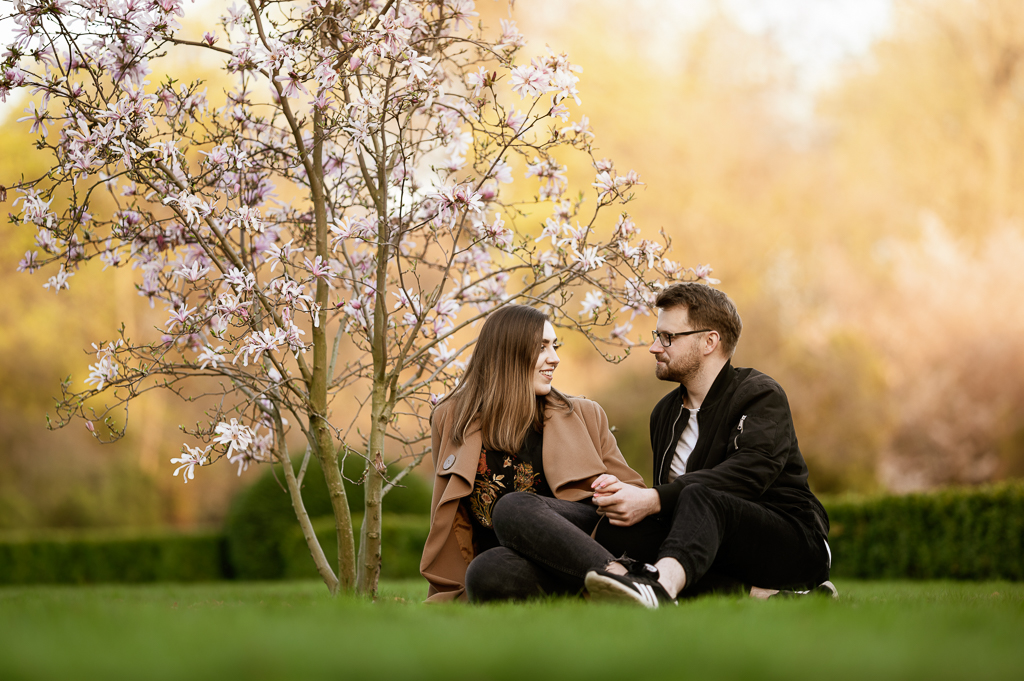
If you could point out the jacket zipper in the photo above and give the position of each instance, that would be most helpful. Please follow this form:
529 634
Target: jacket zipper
736 440
661 471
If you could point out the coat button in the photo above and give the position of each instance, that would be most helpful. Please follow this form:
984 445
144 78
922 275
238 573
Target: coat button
449 462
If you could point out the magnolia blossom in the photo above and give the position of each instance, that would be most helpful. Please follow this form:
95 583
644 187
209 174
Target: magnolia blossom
193 273
192 207
621 333
320 269
179 315
441 353
259 342
593 301
530 80
237 436
477 80
587 258
703 272
106 369
59 280
210 356
189 459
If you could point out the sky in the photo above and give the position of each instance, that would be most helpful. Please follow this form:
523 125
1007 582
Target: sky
816 35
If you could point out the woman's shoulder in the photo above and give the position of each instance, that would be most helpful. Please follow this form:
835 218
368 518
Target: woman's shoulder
585 407
441 413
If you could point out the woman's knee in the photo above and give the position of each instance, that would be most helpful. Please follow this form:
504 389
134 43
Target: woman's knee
500 574
511 509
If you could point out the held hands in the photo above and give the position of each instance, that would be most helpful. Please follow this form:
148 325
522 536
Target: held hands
624 504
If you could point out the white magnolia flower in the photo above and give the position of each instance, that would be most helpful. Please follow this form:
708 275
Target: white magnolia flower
237 436
593 302
189 459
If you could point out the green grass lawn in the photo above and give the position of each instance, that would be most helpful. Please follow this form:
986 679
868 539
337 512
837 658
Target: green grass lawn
292 630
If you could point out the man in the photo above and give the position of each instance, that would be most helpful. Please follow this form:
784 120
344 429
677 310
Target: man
730 493
730 488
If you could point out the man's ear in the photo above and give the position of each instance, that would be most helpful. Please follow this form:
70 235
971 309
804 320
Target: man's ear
711 342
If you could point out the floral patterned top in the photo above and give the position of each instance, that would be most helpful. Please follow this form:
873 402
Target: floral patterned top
499 473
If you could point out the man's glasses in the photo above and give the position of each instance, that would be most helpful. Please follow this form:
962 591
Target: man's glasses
666 338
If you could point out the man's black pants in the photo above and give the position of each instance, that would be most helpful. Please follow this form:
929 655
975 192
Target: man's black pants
547 548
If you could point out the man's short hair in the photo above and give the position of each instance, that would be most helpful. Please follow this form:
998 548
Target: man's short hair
707 308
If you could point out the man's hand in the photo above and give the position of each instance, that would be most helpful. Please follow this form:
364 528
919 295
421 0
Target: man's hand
624 504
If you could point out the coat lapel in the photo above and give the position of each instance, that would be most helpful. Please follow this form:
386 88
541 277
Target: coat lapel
569 452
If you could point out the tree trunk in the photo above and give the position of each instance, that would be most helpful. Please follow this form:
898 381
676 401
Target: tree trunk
339 505
325 450
380 409
370 534
319 558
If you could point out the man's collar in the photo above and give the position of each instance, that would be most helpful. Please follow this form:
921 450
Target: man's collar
716 388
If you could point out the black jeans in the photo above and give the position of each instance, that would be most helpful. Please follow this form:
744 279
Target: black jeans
546 547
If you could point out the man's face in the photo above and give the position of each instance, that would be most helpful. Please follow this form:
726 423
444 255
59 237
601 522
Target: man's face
682 360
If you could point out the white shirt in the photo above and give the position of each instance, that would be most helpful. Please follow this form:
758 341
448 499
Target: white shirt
687 441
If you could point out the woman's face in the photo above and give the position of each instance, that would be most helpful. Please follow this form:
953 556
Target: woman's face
547 361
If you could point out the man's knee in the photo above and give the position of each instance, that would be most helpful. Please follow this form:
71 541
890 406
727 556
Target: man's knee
695 495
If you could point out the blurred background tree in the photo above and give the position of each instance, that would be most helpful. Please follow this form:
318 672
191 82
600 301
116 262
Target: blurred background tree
862 212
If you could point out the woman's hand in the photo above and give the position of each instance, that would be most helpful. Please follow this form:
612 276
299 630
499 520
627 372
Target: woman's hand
603 481
623 504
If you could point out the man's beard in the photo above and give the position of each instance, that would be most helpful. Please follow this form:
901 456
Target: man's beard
681 370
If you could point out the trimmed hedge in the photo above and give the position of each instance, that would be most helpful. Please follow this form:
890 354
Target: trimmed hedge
78 557
402 539
261 516
975 533
972 533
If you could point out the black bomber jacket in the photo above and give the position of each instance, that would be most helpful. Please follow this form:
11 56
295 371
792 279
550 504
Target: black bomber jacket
746 446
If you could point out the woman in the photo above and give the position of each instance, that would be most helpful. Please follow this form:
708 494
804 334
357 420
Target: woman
506 429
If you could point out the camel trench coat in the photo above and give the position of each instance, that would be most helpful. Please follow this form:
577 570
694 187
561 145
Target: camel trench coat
578 447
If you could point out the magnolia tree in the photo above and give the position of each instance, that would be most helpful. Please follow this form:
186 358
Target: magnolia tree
370 180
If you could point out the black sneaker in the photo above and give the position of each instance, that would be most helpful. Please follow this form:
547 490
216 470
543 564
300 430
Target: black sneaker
824 589
639 586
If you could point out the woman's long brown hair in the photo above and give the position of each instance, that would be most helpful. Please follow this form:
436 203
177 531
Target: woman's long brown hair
497 387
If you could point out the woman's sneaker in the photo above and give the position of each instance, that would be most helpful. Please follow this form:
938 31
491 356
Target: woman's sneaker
640 585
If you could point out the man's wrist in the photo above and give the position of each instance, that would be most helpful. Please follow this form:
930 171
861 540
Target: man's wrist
653 501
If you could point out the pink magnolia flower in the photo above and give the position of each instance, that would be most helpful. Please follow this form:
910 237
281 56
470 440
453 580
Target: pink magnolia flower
530 80
516 120
461 13
291 84
621 333
320 269
703 272
605 184
193 273
511 38
28 263
179 315
38 118
478 80
259 342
